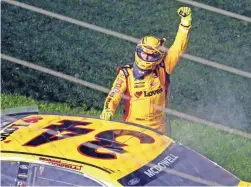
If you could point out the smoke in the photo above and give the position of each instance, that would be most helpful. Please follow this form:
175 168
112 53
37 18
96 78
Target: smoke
224 108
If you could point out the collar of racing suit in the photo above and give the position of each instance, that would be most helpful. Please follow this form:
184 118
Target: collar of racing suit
139 73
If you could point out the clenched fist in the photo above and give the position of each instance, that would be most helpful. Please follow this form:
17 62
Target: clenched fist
186 16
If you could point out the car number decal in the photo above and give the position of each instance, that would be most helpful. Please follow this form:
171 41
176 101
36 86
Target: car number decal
105 139
54 132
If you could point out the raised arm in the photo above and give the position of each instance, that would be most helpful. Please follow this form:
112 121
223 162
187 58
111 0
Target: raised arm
180 43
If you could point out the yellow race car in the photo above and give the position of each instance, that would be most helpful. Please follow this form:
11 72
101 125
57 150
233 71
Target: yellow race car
44 149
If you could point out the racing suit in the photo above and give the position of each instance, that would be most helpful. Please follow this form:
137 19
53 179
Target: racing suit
144 94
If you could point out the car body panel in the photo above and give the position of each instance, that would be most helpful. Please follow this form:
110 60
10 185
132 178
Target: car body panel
16 143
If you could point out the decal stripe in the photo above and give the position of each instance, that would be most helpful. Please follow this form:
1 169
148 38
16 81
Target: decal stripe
127 101
76 161
167 90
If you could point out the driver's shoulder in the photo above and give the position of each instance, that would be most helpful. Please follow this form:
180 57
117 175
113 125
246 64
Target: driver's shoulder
125 69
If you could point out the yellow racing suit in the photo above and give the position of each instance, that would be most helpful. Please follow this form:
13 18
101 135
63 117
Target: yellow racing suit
149 92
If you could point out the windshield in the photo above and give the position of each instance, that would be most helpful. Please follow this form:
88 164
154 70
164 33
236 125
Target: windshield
181 160
25 174
9 172
54 176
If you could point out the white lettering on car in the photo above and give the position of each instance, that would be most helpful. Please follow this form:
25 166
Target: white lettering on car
160 166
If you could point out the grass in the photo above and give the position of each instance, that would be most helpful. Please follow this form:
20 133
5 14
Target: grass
237 6
229 151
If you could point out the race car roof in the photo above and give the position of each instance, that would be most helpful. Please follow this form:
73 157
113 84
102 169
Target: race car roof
110 146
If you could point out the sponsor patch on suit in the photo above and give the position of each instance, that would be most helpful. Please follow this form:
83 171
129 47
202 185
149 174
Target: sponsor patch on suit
139 86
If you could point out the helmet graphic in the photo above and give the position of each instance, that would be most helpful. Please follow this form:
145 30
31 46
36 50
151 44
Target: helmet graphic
148 52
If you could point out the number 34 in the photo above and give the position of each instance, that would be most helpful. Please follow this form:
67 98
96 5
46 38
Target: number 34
105 139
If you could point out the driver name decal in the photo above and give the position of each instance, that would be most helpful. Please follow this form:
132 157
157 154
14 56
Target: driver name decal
169 158
160 166
60 164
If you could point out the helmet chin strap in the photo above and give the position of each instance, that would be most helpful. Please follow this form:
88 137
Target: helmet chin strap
139 73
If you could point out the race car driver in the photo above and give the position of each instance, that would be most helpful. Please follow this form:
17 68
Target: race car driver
144 83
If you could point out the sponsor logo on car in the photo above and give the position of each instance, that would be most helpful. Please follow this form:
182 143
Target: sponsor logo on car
21 183
24 166
22 175
33 119
41 170
133 181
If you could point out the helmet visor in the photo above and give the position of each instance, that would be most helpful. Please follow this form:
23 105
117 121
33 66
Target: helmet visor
148 53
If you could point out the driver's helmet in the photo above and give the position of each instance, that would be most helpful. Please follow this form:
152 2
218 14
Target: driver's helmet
149 52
